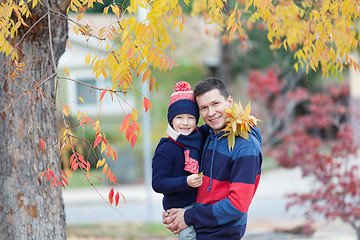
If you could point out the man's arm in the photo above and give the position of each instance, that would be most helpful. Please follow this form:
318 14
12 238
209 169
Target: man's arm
243 182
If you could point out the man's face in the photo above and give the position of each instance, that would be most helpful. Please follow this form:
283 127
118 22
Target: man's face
212 108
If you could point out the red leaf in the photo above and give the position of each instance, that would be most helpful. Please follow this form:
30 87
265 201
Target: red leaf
64 180
81 158
63 173
111 195
97 141
51 173
102 94
74 166
117 197
133 140
103 139
125 122
128 134
42 144
82 120
54 181
48 176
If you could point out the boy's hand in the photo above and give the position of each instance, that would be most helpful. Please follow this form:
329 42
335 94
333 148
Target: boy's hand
195 180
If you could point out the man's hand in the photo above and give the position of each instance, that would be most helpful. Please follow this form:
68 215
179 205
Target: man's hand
167 218
178 223
194 180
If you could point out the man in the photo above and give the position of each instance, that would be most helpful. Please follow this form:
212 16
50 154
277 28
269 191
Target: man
230 177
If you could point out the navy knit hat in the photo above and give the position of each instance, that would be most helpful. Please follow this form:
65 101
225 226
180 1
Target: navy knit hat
182 101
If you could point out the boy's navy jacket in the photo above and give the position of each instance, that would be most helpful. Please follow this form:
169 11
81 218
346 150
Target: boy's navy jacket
229 184
168 174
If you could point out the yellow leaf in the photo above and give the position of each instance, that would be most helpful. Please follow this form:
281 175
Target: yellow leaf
247 110
67 71
87 59
134 116
100 163
78 115
103 147
81 99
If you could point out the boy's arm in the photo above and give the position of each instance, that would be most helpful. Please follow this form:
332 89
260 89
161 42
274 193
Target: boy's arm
161 180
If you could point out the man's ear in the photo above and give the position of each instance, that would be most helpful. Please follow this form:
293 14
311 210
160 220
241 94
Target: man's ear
230 101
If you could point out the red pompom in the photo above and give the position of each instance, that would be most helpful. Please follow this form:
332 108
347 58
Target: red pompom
182 87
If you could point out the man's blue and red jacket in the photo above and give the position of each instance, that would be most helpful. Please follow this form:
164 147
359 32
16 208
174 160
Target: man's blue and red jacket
229 184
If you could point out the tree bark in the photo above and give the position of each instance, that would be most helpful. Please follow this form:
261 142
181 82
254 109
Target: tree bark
29 207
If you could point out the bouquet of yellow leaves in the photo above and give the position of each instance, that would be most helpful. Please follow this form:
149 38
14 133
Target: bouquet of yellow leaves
239 122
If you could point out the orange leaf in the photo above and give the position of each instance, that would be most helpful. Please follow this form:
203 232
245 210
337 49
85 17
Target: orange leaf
111 196
152 83
102 94
108 153
42 144
108 173
105 168
147 104
117 197
114 155
146 75
54 181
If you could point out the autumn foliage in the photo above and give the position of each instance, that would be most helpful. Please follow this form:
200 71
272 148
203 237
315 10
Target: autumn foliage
315 137
322 34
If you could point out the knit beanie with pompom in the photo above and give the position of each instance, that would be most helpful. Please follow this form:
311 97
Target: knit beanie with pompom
182 101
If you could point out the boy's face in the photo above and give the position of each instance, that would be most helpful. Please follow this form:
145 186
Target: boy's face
184 123
212 109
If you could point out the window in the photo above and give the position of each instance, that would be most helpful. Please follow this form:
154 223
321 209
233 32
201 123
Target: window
81 87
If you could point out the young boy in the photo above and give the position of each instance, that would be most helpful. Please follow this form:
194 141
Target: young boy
175 165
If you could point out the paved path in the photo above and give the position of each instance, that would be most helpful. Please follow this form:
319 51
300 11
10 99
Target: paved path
267 212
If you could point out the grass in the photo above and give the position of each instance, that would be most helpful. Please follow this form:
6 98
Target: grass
121 231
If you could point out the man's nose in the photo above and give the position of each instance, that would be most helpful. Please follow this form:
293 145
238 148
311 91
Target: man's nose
211 111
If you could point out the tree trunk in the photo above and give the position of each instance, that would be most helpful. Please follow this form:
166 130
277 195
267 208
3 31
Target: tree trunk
29 207
226 57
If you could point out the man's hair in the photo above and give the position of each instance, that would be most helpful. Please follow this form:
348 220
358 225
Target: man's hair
209 84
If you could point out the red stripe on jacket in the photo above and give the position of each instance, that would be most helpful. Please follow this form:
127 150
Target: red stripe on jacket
239 194
219 190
